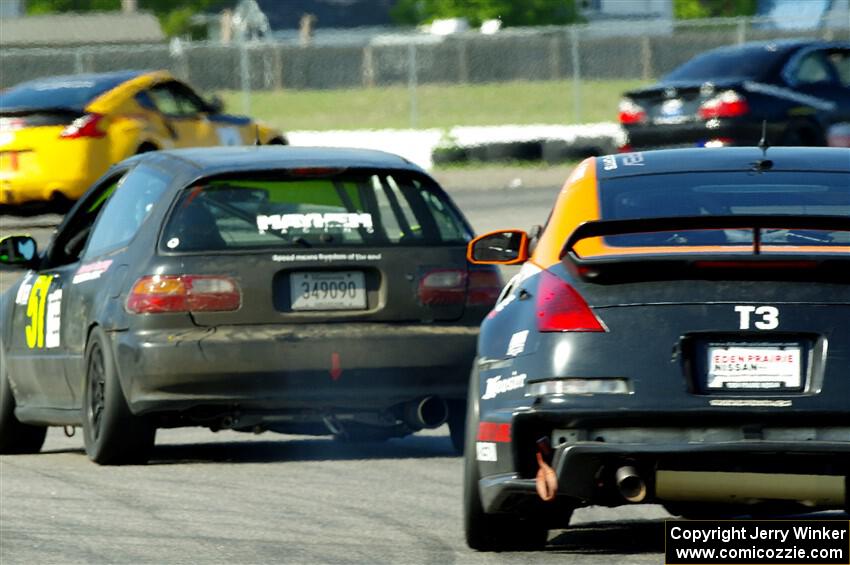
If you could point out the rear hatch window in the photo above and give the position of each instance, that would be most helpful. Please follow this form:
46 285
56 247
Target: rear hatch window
71 92
747 63
729 194
353 208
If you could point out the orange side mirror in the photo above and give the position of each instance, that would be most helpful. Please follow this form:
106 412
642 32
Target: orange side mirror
503 247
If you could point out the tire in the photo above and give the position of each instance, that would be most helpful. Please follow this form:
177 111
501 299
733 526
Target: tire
490 532
146 148
15 436
457 424
111 433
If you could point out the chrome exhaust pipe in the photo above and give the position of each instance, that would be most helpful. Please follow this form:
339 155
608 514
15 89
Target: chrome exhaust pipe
630 485
430 412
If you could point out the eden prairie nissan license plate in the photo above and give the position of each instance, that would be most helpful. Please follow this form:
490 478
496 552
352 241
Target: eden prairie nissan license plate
328 290
756 367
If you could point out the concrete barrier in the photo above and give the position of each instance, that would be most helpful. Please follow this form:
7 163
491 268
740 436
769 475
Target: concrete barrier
549 143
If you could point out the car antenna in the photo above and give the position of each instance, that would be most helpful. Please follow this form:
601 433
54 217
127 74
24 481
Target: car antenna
763 145
763 164
257 135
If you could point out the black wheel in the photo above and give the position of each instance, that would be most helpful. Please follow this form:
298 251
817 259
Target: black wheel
15 436
111 433
146 148
457 424
490 532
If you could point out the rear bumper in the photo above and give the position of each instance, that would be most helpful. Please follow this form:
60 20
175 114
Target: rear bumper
586 471
23 189
328 368
61 167
694 134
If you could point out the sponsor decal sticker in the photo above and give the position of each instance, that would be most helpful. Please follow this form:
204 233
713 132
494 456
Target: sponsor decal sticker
502 304
609 162
745 402
91 271
37 313
306 222
24 290
485 451
326 257
498 385
52 320
527 271
228 136
767 317
632 159
517 343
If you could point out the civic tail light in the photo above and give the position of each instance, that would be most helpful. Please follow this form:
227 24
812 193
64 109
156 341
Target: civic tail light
443 287
156 294
561 309
631 113
727 104
485 285
12 124
84 126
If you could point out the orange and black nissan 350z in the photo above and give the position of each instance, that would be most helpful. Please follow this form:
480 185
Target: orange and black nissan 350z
680 334
302 290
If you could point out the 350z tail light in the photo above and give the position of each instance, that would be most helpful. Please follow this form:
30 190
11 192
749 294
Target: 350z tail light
727 104
561 309
84 126
156 294
630 112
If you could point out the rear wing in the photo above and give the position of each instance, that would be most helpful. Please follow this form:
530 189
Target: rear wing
662 263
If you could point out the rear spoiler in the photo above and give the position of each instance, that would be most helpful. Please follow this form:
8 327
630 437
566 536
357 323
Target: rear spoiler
593 267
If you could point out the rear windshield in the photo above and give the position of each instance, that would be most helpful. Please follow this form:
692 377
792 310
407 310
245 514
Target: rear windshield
712 194
59 92
351 209
751 63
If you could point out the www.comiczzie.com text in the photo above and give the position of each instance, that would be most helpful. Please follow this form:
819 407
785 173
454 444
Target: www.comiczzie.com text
812 542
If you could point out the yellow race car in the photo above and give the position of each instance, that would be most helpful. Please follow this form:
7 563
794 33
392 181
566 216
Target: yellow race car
59 134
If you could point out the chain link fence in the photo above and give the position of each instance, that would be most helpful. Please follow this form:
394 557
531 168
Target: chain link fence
639 51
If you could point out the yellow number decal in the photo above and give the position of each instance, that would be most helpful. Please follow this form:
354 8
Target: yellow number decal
35 311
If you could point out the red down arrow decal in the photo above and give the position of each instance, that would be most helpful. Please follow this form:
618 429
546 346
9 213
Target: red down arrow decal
336 368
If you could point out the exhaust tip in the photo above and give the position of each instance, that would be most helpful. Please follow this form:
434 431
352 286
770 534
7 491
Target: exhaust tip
432 412
631 486
429 412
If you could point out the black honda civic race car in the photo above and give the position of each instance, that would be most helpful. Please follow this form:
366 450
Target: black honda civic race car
297 290
679 335
722 97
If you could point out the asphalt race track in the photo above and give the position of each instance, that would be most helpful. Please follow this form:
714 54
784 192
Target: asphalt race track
240 498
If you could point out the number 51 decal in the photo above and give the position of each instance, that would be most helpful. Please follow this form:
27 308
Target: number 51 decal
43 313
769 317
